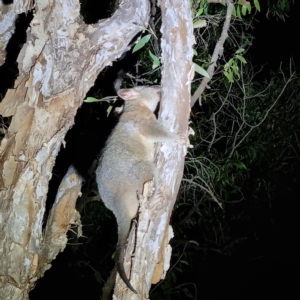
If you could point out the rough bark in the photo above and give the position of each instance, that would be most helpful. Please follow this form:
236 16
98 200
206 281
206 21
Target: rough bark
150 248
58 64
61 217
8 15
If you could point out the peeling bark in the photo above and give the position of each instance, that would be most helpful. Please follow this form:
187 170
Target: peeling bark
8 15
61 217
58 64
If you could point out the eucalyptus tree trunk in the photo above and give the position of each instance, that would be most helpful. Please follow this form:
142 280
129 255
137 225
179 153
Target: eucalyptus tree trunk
57 66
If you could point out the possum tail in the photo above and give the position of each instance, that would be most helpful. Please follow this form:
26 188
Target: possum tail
123 232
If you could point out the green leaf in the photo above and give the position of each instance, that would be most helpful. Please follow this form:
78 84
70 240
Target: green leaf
228 64
235 70
204 5
239 51
248 6
202 154
257 5
244 10
201 71
90 100
200 12
107 99
228 76
234 11
142 28
241 58
141 43
155 60
195 52
109 110
200 24
240 165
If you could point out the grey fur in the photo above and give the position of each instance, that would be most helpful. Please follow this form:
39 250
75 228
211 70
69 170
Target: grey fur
127 161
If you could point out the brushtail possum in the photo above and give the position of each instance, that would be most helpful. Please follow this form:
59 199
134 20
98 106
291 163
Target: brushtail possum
127 161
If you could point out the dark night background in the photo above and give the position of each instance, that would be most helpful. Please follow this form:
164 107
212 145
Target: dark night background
263 267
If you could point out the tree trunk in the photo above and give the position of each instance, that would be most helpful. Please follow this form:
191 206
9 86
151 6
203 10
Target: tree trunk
57 66
152 252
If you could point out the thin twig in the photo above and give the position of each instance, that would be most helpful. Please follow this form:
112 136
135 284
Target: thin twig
218 49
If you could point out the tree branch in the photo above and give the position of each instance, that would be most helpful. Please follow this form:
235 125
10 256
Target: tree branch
217 51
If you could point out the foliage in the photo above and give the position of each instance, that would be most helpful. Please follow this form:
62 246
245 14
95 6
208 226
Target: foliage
212 18
278 9
231 68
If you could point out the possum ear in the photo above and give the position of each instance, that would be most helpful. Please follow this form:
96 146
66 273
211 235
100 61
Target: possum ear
128 94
